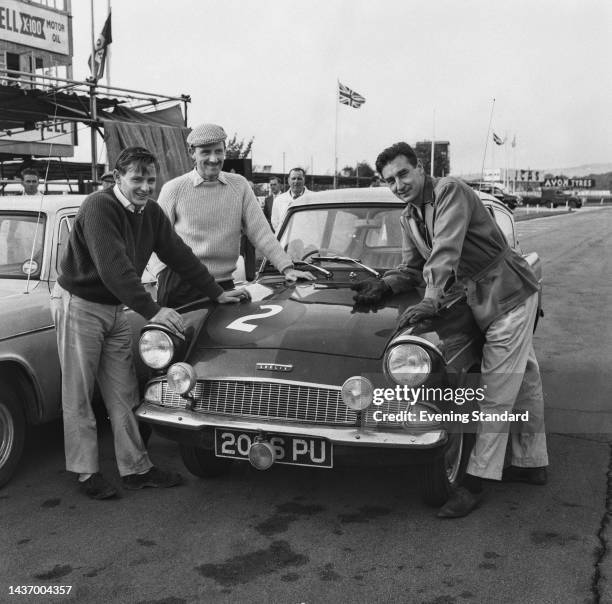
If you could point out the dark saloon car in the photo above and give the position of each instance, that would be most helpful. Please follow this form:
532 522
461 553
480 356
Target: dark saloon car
301 376
497 191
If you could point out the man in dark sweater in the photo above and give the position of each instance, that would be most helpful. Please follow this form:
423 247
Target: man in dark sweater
113 236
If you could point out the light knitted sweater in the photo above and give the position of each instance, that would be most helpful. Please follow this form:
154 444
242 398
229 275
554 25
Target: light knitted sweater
211 216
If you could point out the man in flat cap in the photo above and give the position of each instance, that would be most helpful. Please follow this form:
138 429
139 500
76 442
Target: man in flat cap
108 180
210 209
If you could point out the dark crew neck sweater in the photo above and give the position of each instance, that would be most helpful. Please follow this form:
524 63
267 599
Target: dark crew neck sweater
109 247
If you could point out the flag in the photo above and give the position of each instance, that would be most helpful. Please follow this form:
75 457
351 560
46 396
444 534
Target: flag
349 97
99 57
498 140
513 143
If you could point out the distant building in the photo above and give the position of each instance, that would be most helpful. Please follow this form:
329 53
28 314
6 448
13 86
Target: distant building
441 156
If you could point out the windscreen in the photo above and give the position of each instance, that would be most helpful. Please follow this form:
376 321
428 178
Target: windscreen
370 234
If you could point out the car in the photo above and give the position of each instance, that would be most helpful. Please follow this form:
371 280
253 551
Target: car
552 198
300 375
33 232
497 191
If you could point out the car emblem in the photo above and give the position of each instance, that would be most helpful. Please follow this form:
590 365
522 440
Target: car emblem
273 367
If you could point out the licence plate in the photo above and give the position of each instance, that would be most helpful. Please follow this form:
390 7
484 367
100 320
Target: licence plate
291 450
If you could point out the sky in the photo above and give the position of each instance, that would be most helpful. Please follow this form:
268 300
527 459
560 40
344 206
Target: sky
268 69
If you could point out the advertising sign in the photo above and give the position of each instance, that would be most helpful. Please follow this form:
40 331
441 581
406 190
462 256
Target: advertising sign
575 183
528 175
37 141
34 25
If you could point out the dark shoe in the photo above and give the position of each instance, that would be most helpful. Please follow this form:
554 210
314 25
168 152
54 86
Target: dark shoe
154 478
460 504
536 476
97 487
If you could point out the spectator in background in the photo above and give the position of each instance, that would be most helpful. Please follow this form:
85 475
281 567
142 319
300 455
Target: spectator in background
297 188
275 189
210 210
30 179
107 180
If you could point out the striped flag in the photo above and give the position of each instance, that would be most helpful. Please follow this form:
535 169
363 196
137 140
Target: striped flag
349 97
97 61
498 140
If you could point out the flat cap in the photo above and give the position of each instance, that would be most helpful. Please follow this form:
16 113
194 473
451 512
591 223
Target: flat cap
108 176
206 134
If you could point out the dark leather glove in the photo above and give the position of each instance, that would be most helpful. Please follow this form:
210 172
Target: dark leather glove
425 309
370 291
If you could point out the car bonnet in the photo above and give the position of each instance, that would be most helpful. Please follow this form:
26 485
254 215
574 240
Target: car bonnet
307 317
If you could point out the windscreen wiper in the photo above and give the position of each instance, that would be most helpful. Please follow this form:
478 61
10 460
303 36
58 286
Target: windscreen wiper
327 273
347 259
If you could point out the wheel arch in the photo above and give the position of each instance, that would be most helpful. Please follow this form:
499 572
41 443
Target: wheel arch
21 379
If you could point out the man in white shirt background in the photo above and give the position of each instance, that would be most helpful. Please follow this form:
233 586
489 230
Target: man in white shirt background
297 188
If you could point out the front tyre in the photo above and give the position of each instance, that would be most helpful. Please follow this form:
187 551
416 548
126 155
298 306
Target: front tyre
440 476
203 463
12 433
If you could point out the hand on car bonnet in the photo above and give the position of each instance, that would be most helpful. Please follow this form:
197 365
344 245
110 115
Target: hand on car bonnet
234 296
370 291
425 309
170 319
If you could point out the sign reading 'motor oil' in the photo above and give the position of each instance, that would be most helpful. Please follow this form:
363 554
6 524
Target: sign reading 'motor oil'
35 26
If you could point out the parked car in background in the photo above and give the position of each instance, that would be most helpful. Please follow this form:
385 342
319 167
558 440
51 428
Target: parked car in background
301 376
552 198
33 233
496 190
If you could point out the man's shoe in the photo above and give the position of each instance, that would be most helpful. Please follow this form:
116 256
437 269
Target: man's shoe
97 487
460 504
536 476
154 478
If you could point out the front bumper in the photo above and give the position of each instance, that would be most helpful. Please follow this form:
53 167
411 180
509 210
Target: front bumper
182 422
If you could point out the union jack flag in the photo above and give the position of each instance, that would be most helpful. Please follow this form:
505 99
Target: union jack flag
498 139
349 97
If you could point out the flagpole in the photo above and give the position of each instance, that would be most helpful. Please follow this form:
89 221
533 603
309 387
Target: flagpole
92 100
336 137
487 141
514 162
108 51
506 183
433 142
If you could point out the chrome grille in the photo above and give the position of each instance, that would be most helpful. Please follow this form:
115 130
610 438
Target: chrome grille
272 400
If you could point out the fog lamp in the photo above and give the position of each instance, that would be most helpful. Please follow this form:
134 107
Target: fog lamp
261 454
420 416
357 393
181 377
153 393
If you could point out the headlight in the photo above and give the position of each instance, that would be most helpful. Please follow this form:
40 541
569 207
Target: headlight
357 393
181 378
408 364
156 348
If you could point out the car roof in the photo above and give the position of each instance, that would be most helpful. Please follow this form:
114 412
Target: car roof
35 203
369 195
